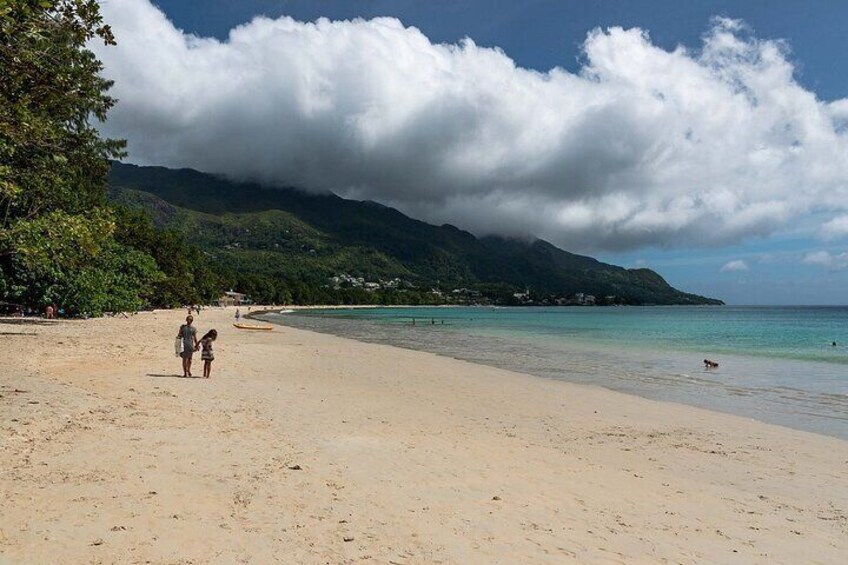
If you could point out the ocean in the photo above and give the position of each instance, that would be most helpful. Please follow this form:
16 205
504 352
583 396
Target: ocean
776 364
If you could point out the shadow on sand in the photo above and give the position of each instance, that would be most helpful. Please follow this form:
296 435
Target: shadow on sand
27 321
175 376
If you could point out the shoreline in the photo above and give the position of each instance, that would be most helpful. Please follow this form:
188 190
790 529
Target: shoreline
302 441
662 374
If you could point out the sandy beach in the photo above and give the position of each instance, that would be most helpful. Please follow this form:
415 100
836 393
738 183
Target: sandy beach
307 448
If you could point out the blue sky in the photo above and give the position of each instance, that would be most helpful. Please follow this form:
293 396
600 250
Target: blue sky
772 249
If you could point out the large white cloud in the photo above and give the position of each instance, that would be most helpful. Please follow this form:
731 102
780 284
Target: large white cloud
642 146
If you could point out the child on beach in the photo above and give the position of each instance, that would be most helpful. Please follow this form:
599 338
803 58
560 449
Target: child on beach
206 353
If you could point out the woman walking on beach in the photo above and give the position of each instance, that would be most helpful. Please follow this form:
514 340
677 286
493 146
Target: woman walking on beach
207 355
188 334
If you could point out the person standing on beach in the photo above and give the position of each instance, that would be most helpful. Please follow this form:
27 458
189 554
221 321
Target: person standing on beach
188 334
207 355
238 314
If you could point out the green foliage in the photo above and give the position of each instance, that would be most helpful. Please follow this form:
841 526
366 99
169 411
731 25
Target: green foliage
121 279
57 238
74 261
57 232
51 156
187 276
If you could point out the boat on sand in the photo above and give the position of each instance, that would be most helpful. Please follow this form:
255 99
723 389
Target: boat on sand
254 327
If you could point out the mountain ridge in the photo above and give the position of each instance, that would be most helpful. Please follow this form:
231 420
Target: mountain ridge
316 236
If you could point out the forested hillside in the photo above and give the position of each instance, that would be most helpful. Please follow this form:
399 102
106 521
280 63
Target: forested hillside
289 243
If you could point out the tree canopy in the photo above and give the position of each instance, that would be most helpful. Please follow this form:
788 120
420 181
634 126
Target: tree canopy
60 240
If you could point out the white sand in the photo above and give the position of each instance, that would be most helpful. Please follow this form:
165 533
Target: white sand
412 457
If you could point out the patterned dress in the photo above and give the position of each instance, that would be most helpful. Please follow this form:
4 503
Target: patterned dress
206 350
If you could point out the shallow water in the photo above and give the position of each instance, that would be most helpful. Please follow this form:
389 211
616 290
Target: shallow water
776 364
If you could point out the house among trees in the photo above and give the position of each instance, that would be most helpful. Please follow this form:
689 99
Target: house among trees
231 298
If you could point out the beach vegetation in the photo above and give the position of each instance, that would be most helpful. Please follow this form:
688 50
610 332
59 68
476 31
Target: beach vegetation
61 240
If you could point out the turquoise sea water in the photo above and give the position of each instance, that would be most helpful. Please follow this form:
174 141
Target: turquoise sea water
777 364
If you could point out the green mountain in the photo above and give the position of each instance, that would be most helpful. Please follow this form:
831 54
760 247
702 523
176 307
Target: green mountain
291 235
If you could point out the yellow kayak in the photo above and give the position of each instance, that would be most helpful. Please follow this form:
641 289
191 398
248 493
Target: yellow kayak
253 327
